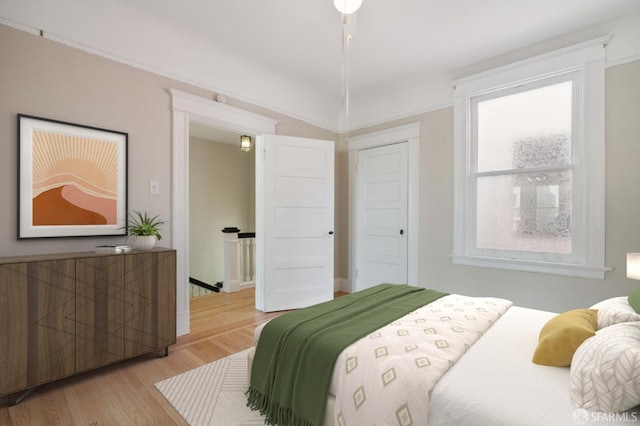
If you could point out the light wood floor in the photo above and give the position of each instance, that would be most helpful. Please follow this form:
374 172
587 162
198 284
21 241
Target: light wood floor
124 394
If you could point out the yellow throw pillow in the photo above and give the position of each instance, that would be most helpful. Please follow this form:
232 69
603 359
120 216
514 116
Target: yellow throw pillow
562 334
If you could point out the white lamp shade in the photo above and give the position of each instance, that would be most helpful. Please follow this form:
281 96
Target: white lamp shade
633 266
347 6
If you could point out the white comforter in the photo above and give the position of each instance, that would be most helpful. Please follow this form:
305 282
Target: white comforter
386 378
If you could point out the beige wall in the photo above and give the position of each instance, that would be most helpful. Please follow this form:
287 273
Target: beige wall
221 194
47 79
536 290
43 78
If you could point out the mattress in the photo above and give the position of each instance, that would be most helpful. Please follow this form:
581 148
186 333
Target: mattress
495 383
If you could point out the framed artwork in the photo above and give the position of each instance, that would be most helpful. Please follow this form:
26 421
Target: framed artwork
72 179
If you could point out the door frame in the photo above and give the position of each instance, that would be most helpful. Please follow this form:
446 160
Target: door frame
409 133
188 108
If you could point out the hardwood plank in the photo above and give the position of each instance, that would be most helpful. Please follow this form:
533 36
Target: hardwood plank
63 409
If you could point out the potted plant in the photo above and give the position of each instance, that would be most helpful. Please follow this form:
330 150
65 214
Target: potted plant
145 229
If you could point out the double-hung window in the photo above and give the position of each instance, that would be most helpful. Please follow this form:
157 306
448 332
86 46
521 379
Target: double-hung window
529 165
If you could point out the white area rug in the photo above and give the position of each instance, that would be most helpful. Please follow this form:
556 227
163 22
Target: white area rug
213 394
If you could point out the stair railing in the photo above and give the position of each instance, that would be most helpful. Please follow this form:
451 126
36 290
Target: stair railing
239 260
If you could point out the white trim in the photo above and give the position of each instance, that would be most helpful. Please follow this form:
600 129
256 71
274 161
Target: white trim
247 284
186 108
588 58
533 266
221 115
409 133
536 67
384 137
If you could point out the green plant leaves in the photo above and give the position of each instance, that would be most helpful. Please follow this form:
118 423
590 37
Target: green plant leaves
141 223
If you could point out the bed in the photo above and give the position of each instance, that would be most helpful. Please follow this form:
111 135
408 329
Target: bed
493 381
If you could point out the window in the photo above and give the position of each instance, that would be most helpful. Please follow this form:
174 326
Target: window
523 167
529 165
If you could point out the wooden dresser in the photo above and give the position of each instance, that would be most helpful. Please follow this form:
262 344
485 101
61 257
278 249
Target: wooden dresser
62 314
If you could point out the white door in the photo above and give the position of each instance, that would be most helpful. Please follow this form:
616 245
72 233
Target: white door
382 188
294 222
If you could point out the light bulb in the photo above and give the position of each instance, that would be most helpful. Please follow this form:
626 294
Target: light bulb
347 6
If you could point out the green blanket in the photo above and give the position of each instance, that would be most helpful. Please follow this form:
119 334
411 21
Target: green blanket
296 352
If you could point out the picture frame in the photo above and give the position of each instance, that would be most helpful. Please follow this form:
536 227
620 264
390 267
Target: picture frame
72 179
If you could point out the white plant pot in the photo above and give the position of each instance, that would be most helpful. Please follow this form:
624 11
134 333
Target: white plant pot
144 242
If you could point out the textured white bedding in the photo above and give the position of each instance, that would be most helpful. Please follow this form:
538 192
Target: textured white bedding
495 383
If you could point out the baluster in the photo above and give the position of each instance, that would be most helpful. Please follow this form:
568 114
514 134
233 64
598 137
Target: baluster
243 250
252 263
247 258
240 275
240 260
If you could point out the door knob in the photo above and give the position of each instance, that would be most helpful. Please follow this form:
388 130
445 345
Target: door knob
330 232
402 232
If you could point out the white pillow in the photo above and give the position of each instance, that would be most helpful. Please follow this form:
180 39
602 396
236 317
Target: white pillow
614 311
605 370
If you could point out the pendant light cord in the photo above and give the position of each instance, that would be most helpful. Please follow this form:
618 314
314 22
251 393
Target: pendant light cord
346 38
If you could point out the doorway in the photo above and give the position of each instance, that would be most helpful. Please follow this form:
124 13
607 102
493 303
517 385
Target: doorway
221 195
189 108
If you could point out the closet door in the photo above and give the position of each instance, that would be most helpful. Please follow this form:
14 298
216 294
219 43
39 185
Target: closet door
382 185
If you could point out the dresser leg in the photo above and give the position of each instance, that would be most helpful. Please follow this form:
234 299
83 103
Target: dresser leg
23 396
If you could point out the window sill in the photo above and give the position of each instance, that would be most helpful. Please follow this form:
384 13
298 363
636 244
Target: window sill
566 269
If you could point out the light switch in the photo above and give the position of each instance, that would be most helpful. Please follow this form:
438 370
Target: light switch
154 187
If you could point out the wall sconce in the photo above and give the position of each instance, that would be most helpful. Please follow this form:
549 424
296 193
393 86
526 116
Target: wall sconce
245 143
633 266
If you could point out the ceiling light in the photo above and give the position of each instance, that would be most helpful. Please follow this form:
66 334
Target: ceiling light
245 143
347 7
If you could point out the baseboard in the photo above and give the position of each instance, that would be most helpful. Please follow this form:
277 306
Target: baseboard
248 284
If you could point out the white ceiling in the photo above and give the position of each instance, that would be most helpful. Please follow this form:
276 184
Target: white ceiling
286 54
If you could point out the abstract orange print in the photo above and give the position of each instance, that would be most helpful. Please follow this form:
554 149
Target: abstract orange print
74 180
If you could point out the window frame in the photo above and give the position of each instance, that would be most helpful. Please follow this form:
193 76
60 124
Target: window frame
584 63
572 76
